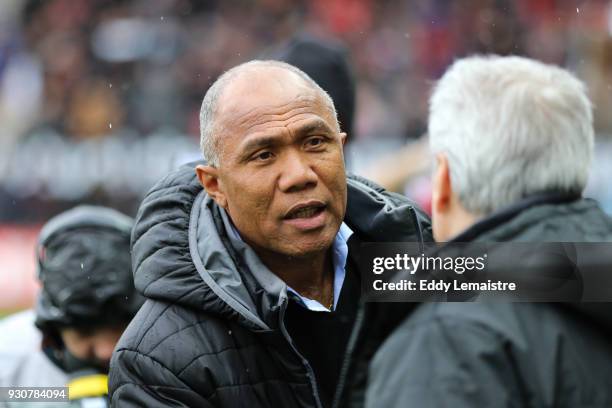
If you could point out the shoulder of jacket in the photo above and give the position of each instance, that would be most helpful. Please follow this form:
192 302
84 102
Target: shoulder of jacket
159 325
511 322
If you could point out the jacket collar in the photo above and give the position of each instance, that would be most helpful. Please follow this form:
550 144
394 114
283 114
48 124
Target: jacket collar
506 214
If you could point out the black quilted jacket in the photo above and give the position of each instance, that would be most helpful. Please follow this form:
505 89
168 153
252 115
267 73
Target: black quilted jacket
481 354
211 333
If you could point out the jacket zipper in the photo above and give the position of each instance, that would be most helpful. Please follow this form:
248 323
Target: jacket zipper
309 371
358 326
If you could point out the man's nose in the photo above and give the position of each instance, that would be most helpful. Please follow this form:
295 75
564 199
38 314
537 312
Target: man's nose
297 173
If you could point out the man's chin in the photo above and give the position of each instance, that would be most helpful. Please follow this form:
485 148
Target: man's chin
304 248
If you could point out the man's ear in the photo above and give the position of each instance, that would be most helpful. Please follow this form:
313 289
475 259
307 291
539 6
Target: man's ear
442 189
209 178
343 138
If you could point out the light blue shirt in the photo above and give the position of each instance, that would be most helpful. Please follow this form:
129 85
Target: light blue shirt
339 257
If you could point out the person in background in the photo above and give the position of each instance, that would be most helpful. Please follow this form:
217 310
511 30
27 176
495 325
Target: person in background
86 301
328 64
513 141
22 361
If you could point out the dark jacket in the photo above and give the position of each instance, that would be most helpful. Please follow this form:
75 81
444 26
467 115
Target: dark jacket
492 354
212 331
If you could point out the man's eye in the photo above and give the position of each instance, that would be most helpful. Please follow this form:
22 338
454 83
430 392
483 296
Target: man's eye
314 142
263 156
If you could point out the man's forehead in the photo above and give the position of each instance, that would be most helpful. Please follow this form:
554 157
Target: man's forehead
260 87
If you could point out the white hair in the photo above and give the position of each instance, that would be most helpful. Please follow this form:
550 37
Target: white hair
209 142
511 127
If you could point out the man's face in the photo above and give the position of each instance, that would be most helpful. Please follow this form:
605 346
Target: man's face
281 175
94 345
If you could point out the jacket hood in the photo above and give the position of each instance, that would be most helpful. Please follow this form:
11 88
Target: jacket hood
85 271
181 252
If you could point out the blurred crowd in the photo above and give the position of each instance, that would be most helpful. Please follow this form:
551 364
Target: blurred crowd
99 98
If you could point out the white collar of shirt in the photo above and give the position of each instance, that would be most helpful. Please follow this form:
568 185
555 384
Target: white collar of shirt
339 257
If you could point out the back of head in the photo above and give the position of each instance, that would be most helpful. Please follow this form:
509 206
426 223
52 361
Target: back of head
327 63
511 127
85 269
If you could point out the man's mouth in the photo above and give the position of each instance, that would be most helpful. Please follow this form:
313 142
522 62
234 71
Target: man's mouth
307 215
305 211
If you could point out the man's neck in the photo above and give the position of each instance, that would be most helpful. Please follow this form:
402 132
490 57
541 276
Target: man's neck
311 276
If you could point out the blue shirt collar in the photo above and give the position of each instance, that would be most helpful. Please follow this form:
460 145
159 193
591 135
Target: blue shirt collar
339 257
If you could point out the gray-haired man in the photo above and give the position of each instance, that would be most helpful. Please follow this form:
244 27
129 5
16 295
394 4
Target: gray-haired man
513 140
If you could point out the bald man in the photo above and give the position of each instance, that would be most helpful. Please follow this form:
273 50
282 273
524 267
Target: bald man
248 261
